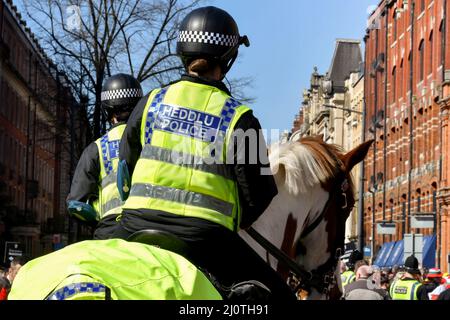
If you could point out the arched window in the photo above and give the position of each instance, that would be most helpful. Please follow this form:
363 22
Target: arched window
440 56
421 60
400 80
430 56
394 84
394 23
409 70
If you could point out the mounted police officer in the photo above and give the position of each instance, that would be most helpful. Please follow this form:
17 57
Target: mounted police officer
186 177
408 287
93 195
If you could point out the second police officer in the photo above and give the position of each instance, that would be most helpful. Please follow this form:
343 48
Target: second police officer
93 194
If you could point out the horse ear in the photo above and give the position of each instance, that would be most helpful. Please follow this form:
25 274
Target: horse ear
355 156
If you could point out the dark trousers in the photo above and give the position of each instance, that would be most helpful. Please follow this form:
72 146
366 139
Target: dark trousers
106 227
229 259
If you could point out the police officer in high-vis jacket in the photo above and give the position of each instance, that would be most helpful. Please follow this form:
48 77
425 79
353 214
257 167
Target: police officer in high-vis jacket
179 152
93 194
349 275
408 287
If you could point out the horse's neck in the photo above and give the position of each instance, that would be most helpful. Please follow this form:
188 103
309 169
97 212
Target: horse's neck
284 209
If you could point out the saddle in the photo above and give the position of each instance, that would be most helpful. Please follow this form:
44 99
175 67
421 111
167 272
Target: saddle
247 291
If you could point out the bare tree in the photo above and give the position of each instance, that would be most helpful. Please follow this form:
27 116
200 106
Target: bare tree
92 39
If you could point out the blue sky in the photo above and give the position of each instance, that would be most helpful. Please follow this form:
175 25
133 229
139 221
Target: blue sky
288 38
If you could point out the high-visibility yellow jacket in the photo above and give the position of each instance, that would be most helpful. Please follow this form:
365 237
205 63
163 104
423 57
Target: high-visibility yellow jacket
186 128
108 147
347 277
116 268
405 289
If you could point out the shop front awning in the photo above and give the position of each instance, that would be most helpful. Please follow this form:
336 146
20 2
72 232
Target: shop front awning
396 257
429 251
392 253
384 254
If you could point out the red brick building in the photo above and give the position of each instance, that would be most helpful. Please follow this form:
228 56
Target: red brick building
41 131
407 99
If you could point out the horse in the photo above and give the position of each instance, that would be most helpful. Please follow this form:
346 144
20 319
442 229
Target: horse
306 220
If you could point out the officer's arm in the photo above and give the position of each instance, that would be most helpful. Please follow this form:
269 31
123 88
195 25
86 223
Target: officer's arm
130 149
85 185
422 293
256 184
130 145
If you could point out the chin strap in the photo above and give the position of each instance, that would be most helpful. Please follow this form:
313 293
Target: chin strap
229 57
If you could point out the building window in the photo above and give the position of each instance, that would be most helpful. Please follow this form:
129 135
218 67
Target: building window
430 57
400 80
421 60
394 85
394 22
440 57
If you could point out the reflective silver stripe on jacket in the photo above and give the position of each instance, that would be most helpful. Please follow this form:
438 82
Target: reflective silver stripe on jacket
111 204
187 160
182 196
110 178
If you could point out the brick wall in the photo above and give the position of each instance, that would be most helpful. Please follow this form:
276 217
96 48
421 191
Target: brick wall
402 180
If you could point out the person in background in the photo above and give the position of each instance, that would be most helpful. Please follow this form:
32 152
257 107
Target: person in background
349 275
360 263
444 285
15 266
409 286
393 273
433 280
445 295
5 285
9 276
93 197
364 288
385 285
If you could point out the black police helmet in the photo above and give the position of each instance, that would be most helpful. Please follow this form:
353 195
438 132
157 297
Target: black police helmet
412 265
120 93
210 33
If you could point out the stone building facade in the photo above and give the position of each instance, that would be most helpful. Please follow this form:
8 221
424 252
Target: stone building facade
41 131
406 89
333 105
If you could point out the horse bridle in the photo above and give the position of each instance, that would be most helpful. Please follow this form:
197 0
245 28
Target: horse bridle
322 278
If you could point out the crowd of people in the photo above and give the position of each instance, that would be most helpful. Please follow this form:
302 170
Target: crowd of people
361 281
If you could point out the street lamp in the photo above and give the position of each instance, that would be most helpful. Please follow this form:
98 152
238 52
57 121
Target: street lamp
344 109
360 228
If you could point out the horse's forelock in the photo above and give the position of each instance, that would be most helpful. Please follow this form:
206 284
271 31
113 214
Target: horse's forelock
306 163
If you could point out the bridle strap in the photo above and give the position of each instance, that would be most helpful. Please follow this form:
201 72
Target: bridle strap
307 278
310 228
279 255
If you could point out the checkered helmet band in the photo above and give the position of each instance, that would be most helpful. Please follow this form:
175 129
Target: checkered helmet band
121 94
208 37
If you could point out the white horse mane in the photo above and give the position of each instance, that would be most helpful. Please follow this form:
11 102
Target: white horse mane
300 168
